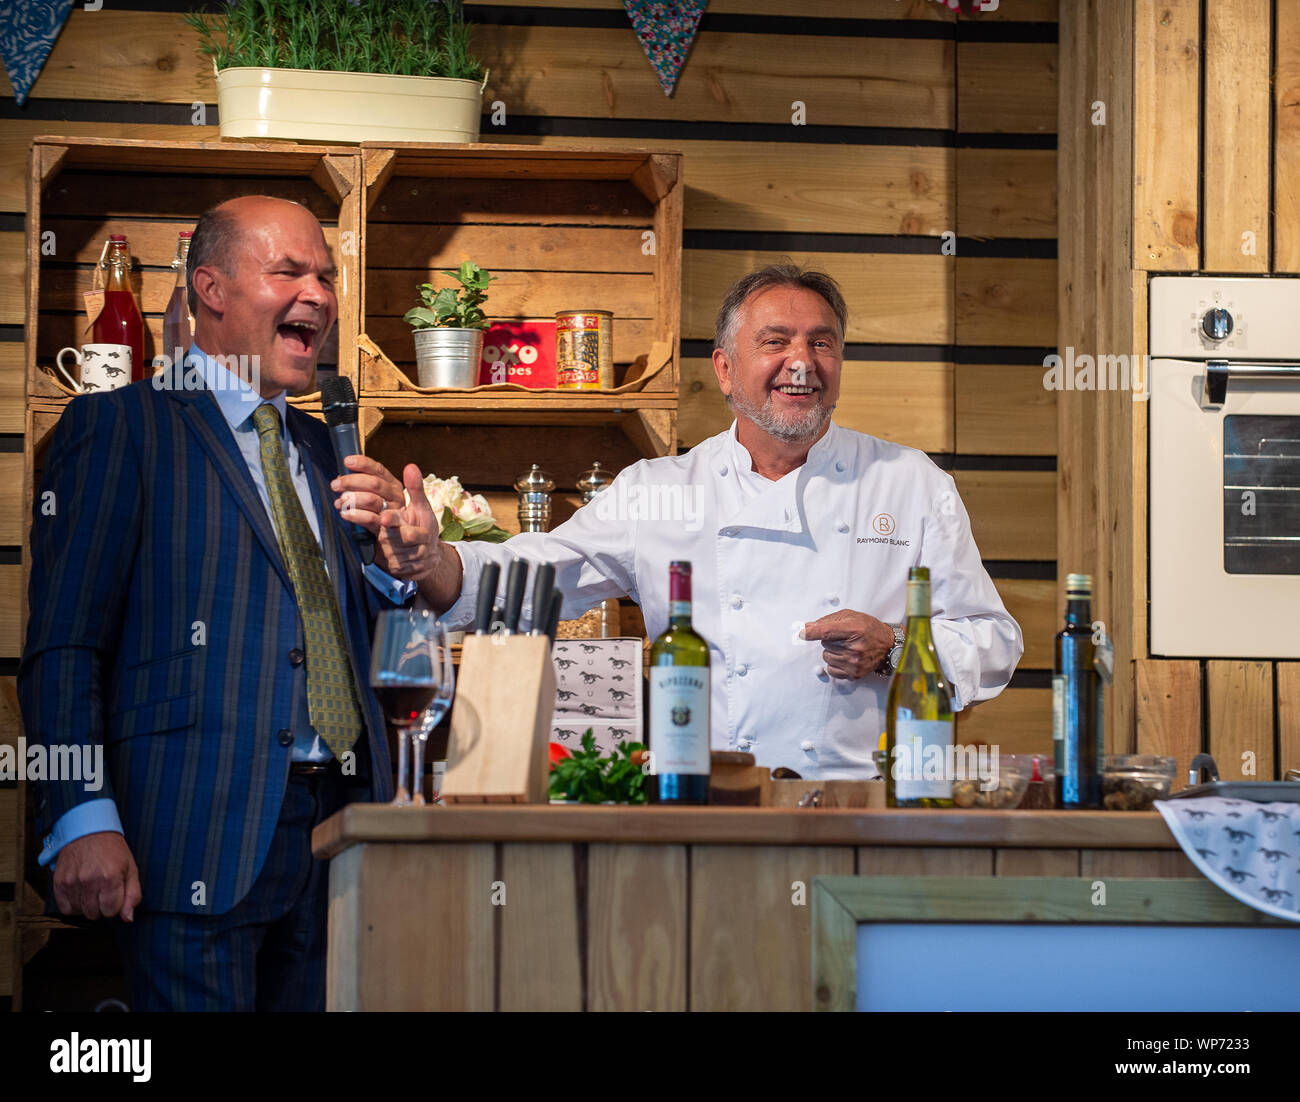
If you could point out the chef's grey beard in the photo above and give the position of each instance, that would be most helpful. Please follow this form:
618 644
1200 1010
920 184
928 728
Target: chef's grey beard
792 428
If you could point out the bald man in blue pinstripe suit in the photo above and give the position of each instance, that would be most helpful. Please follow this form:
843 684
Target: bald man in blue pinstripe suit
167 625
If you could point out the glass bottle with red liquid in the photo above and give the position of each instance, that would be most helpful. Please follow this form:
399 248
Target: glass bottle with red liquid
119 322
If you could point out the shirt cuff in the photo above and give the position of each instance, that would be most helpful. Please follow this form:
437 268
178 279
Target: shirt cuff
462 613
90 817
397 592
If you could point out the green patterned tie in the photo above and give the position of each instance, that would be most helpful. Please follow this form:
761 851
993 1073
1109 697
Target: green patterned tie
331 696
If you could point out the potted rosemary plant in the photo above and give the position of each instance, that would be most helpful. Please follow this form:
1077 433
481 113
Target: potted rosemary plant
449 328
343 70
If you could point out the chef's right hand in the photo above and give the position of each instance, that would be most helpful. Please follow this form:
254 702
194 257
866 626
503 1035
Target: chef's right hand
95 876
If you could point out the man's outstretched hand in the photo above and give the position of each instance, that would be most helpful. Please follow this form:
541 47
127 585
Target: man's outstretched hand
95 876
407 544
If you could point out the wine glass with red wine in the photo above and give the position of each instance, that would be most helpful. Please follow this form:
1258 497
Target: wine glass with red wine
412 675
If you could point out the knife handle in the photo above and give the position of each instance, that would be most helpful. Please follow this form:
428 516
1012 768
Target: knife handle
516 580
542 586
487 594
553 619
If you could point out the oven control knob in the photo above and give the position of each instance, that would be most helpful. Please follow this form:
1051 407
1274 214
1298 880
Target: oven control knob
1217 323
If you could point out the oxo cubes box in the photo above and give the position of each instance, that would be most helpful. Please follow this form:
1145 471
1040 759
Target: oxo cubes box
520 352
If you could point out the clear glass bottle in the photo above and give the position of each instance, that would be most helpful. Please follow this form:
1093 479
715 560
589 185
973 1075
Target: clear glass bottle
919 718
178 322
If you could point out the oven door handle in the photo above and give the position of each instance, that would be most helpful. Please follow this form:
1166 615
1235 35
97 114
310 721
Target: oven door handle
1214 390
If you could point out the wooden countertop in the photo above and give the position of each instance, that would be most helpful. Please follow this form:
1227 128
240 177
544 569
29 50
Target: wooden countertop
364 822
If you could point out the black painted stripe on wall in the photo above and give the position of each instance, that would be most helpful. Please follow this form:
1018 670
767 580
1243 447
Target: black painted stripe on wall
1030 679
1043 570
915 353
911 244
712 22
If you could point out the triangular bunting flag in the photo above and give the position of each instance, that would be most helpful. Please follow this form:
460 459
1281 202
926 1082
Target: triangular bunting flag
28 29
666 29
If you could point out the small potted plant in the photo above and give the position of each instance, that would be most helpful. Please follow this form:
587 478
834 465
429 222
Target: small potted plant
449 328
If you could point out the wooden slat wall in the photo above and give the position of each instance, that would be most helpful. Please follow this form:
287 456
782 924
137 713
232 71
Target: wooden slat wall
1236 112
1286 138
1145 194
1167 74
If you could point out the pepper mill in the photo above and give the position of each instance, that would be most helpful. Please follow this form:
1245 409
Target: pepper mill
589 485
534 488
593 481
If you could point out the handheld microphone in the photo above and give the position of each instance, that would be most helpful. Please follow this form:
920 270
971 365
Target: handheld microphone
339 404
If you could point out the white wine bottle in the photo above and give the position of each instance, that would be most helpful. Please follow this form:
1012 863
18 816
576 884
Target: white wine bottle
679 702
919 725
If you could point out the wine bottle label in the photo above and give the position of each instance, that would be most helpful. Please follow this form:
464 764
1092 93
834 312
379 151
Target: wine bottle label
1058 721
922 759
679 720
679 608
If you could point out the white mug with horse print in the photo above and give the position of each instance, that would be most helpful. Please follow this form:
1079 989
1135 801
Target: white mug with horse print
103 367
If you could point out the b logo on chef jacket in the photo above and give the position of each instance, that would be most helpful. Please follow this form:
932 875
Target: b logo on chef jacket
883 524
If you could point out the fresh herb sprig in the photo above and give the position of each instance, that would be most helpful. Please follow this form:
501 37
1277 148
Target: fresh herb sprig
400 37
592 779
451 307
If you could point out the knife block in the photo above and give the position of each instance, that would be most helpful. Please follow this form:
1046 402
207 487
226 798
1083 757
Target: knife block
501 722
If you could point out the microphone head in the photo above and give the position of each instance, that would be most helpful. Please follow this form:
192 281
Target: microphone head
338 400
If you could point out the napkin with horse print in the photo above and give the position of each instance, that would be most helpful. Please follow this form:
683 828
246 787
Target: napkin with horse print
1250 850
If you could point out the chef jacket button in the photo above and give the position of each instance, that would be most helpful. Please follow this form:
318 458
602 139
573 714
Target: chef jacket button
839 466
842 526
822 675
743 744
722 471
831 599
807 746
743 669
737 602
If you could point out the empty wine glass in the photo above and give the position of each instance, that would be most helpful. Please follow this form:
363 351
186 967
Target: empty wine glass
412 675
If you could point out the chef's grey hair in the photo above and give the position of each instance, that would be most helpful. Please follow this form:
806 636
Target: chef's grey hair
785 274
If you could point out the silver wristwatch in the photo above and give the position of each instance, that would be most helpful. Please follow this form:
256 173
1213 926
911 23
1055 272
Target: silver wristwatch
889 663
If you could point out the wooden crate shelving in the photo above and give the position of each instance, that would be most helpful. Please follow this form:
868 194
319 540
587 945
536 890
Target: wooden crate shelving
561 229
82 189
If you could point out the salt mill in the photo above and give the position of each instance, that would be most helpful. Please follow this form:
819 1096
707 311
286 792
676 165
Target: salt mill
534 488
593 481
589 485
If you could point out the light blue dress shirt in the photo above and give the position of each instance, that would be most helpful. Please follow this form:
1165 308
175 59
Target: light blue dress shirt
237 402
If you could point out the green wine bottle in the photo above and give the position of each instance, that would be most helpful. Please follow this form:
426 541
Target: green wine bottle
919 712
679 702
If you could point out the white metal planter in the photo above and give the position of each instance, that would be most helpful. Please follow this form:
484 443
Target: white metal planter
319 106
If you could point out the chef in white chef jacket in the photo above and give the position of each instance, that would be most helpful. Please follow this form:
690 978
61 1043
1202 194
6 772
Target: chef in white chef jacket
799 532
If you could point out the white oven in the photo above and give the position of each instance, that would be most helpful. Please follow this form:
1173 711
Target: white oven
1225 466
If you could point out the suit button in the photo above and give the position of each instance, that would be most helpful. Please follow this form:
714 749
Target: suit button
284 736
295 657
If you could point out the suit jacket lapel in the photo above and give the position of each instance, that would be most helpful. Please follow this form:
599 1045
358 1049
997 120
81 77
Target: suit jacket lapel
206 422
